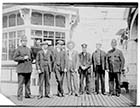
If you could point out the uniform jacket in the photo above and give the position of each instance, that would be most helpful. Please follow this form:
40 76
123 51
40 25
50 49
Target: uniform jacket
85 60
43 59
59 62
75 60
115 60
103 60
23 66
35 50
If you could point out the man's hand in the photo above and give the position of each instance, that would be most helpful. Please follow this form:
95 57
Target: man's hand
26 57
65 70
39 71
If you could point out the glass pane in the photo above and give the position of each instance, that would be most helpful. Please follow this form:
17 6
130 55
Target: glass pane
4 36
12 35
20 33
46 34
4 56
19 20
60 21
4 21
36 18
4 46
12 47
48 19
36 33
51 34
57 35
12 20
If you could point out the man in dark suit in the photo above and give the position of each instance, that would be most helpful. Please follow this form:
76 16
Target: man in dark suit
98 61
84 70
43 64
24 58
60 66
115 64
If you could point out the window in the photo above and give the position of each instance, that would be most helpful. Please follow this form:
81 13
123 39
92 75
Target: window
4 46
48 19
12 20
48 34
36 18
19 20
20 33
60 21
12 44
4 21
37 33
60 35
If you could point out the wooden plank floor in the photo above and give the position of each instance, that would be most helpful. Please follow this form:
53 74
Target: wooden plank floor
83 100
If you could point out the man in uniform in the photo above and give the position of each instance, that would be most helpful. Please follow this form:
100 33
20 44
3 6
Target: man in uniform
84 70
115 65
59 67
98 61
24 58
72 69
43 63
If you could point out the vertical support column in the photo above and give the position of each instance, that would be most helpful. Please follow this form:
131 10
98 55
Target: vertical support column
26 16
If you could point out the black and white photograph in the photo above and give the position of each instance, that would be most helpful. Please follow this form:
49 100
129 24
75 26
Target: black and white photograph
69 54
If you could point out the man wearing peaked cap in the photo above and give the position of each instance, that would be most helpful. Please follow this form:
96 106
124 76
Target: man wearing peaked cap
84 45
84 70
61 42
24 58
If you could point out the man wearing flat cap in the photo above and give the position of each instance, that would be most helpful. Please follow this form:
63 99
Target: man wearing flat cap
72 69
59 66
84 70
43 65
98 61
24 58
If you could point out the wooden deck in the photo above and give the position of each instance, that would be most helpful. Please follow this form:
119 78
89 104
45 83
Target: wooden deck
72 101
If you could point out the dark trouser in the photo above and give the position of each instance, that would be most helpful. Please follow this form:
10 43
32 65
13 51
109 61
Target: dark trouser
84 74
60 79
99 74
114 76
44 77
72 83
24 78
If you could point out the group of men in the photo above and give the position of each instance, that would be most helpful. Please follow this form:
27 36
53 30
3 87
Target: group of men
69 64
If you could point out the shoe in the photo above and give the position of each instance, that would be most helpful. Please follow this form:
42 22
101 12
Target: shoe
77 94
81 93
39 97
69 93
104 93
59 95
48 96
62 95
29 96
20 98
88 93
96 93
117 94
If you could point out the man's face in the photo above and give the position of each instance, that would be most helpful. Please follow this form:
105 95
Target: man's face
59 45
71 46
24 42
98 46
114 43
37 42
84 49
45 47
